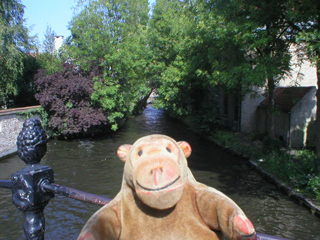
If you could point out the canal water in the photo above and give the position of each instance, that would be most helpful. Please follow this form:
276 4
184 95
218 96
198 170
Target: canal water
92 165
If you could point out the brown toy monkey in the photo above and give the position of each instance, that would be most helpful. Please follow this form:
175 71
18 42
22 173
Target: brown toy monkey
160 200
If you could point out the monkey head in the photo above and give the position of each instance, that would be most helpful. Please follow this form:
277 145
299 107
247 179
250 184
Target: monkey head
156 169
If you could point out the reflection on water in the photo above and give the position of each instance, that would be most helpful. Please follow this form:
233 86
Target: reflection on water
92 166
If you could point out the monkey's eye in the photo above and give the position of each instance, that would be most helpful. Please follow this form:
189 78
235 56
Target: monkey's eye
168 149
140 153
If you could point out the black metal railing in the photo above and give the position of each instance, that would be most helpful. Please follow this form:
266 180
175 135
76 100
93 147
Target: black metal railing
33 187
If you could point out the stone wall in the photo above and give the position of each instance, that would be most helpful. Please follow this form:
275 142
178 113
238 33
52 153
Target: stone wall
10 126
302 114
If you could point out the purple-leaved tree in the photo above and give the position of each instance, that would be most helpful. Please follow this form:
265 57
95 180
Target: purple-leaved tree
66 96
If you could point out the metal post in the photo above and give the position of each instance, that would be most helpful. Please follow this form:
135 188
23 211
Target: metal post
27 193
75 194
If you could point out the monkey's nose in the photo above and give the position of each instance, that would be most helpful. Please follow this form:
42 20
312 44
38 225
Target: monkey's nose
156 173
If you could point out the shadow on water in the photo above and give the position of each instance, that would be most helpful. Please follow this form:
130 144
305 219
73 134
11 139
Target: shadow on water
92 165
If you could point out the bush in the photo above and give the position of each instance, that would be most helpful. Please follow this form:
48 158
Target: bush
297 170
270 144
314 185
66 96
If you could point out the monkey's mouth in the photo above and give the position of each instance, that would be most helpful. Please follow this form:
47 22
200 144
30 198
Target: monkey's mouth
160 188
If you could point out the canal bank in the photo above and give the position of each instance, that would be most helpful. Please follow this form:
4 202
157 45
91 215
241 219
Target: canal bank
11 123
299 198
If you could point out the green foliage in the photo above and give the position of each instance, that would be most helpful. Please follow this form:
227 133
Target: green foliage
306 15
110 38
102 27
48 42
39 112
112 99
230 45
30 113
262 33
312 41
51 63
66 97
50 60
225 138
25 82
297 170
314 185
198 46
174 91
238 143
14 42
271 145
169 39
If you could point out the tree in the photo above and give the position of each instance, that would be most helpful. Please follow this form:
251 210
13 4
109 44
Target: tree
169 39
196 53
25 82
266 33
50 59
48 42
66 97
14 43
110 37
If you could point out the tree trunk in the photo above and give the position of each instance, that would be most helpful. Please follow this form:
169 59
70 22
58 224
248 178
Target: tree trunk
270 110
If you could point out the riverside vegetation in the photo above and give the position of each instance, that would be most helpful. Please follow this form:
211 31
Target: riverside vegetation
296 168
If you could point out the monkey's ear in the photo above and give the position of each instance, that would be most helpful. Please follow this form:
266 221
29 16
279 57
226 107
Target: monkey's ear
186 148
123 151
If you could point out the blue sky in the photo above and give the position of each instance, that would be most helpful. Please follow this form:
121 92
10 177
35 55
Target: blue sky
54 13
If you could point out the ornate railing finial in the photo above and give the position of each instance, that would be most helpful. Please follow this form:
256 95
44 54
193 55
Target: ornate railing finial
28 194
32 141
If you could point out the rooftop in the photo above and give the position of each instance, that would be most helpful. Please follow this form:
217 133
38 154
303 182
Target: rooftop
286 97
